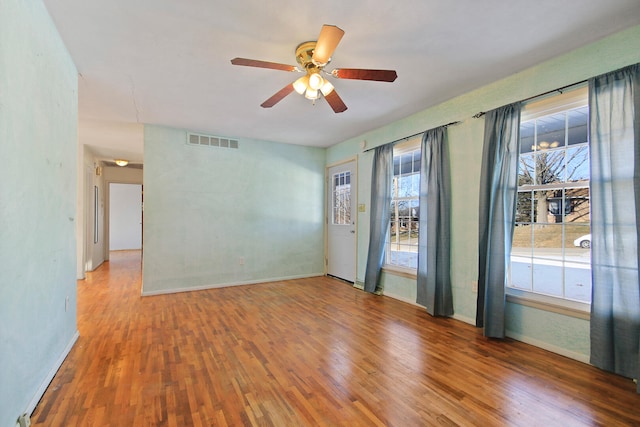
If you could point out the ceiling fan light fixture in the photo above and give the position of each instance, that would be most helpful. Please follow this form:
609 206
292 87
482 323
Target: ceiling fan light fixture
121 162
326 88
301 84
311 94
315 81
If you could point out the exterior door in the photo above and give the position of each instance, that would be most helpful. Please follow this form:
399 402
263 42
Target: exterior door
341 221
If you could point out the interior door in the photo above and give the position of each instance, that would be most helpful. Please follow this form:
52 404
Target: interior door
341 221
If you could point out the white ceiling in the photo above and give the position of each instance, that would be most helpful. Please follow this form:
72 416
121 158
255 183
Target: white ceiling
167 62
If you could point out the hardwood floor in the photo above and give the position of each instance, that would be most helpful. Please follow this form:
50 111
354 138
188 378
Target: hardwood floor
306 352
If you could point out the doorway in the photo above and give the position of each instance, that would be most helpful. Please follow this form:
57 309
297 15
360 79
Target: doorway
341 221
125 216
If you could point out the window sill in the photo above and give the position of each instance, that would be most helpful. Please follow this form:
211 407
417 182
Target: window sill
409 273
575 309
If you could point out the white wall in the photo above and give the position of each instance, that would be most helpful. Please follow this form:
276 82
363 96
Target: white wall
219 216
38 185
125 216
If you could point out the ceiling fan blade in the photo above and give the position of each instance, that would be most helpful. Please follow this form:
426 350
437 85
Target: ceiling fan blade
328 40
364 74
278 96
335 102
262 64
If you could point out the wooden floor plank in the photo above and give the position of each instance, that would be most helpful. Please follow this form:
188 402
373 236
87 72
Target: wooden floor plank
306 352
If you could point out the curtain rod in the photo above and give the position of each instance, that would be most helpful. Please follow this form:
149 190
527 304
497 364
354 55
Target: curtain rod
560 89
411 136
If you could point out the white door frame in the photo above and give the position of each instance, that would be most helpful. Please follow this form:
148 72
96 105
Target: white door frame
354 195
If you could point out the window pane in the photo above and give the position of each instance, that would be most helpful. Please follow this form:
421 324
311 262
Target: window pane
547 241
541 213
415 185
577 241
558 206
580 207
416 161
577 125
415 209
405 187
521 253
524 207
521 272
396 166
547 277
522 238
550 131
393 231
527 134
403 210
406 163
526 169
578 163
549 167
415 224
577 281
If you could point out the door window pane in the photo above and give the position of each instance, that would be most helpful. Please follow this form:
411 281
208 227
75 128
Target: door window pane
341 198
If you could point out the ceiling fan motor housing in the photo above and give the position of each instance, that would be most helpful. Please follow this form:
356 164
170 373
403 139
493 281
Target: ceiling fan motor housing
304 57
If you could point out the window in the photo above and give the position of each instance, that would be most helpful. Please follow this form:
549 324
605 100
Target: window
402 242
551 241
342 198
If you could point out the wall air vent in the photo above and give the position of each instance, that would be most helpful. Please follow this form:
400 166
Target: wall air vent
211 141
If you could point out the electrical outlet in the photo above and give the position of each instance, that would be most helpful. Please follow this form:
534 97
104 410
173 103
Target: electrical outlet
241 260
66 304
474 286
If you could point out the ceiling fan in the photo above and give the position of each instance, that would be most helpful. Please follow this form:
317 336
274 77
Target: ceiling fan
313 57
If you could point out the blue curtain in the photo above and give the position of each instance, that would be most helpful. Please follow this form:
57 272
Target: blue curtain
434 240
498 192
381 178
614 103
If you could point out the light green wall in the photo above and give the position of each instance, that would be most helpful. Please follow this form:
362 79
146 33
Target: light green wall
566 335
220 216
38 138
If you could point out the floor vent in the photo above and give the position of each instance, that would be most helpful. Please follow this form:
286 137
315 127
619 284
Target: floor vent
211 141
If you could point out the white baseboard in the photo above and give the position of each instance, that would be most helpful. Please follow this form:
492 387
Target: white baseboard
226 285
455 316
549 347
464 319
47 380
403 299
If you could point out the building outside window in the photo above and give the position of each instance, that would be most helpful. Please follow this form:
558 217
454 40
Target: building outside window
551 241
